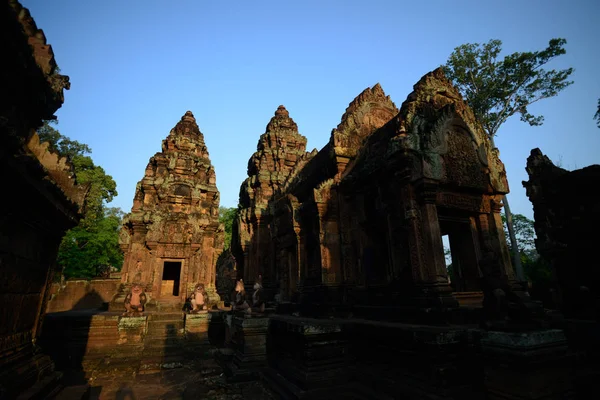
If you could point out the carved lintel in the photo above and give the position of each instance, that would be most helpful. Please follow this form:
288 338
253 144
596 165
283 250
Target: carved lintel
475 204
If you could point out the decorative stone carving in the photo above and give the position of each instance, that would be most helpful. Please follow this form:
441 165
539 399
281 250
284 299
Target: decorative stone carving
198 299
280 149
135 301
172 237
240 302
258 296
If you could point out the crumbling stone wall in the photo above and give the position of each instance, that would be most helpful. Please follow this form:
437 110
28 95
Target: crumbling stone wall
567 216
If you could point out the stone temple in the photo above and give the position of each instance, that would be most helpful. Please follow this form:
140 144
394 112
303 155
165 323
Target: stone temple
347 294
171 239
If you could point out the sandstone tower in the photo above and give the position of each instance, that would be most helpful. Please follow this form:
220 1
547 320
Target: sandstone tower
278 152
172 238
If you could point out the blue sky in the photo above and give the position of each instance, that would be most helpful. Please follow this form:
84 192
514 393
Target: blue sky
137 66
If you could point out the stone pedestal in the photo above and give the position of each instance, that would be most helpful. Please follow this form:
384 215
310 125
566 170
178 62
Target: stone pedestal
196 327
132 329
409 361
308 358
527 365
249 344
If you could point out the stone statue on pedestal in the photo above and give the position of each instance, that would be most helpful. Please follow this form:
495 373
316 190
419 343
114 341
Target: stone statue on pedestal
239 298
198 299
135 301
258 302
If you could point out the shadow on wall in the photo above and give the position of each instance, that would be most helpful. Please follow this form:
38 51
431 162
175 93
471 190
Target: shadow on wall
65 337
82 294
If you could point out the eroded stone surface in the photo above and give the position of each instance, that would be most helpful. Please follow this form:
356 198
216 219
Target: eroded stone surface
280 149
172 238
566 219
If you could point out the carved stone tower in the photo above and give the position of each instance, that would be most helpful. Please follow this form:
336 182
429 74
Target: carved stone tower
172 238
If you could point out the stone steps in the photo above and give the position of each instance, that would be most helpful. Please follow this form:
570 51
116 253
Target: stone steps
170 316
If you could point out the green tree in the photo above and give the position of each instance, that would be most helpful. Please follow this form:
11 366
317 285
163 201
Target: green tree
89 251
525 233
61 144
102 188
497 89
92 247
535 268
226 217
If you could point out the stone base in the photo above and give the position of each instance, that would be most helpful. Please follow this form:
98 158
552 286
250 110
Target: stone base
197 326
357 358
249 343
132 329
537 364
584 340
308 358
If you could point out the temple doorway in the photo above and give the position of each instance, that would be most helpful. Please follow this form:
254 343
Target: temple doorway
463 270
170 279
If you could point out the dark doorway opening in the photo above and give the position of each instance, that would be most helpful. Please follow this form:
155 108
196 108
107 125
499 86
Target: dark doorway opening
463 268
170 278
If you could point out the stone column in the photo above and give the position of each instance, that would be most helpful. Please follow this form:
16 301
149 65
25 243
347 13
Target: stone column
499 246
426 247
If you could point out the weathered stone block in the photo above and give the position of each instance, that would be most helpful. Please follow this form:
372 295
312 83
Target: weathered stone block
249 344
537 364
132 329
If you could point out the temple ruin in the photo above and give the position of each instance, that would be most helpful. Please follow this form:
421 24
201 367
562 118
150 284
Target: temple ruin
40 203
361 221
345 244
171 239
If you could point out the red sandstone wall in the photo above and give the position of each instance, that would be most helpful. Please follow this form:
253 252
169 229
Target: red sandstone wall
82 294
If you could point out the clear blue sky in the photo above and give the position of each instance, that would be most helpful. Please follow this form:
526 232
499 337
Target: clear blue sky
137 66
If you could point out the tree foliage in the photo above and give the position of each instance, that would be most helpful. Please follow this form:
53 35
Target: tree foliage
102 188
497 89
92 247
525 233
88 251
597 116
226 217
61 144
535 268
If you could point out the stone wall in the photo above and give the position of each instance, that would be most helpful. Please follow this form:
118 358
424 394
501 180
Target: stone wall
567 216
41 202
82 294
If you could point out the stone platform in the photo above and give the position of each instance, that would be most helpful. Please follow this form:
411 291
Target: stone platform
364 359
249 347
183 355
157 355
